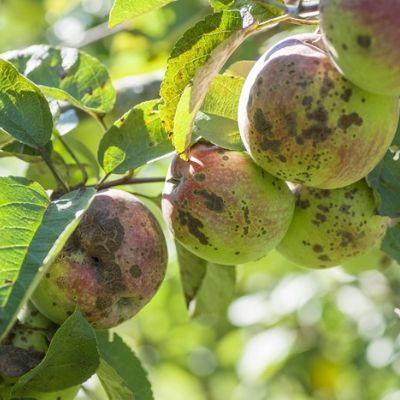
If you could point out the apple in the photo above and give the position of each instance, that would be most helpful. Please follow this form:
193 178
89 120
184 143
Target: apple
111 266
223 207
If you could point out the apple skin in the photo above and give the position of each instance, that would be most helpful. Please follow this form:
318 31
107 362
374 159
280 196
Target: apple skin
330 227
363 39
23 349
223 207
303 122
373 259
65 394
111 266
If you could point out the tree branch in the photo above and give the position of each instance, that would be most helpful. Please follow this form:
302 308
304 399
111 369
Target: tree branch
75 158
128 180
97 33
47 160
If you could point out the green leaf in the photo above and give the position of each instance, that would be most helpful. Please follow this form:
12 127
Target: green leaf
40 172
22 151
223 132
192 270
208 288
124 10
223 95
391 242
217 290
135 139
4 138
84 155
71 359
22 207
219 5
196 59
33 233
124 363
385 180
261 10
66 74
183 121
64 164
24 111
113 384
217 121
240 68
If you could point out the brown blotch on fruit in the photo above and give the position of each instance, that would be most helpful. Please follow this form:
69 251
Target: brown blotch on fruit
260 123
346 121
213 202
194 225
199 177
15 361
135 271
318 248
364 41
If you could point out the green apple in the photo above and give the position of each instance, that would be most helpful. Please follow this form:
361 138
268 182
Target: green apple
223 207
330 227
303 122
363 39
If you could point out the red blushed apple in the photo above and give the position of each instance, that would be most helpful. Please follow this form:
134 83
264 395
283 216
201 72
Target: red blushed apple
302 121
363 40
111 266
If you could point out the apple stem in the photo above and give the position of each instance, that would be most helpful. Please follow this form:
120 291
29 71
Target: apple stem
100 120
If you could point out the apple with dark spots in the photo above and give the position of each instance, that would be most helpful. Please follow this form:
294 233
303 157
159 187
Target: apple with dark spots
373 259
65 394
363 38
111 266
28 338
23 349
303 122
330 227
31 330
223 207
30 316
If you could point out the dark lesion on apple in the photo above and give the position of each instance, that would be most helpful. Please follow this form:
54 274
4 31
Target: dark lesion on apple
15 362
100 236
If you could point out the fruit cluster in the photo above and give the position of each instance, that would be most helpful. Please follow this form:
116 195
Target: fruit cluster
316 110
317 113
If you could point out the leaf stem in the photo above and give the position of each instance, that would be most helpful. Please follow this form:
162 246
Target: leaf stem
303 21
155 199
46 158
272 22
103 179
85 176
100 119
128 180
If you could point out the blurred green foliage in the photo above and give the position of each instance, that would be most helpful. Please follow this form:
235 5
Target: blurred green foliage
291 333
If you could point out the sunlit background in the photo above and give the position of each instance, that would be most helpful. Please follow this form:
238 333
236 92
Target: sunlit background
290 333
